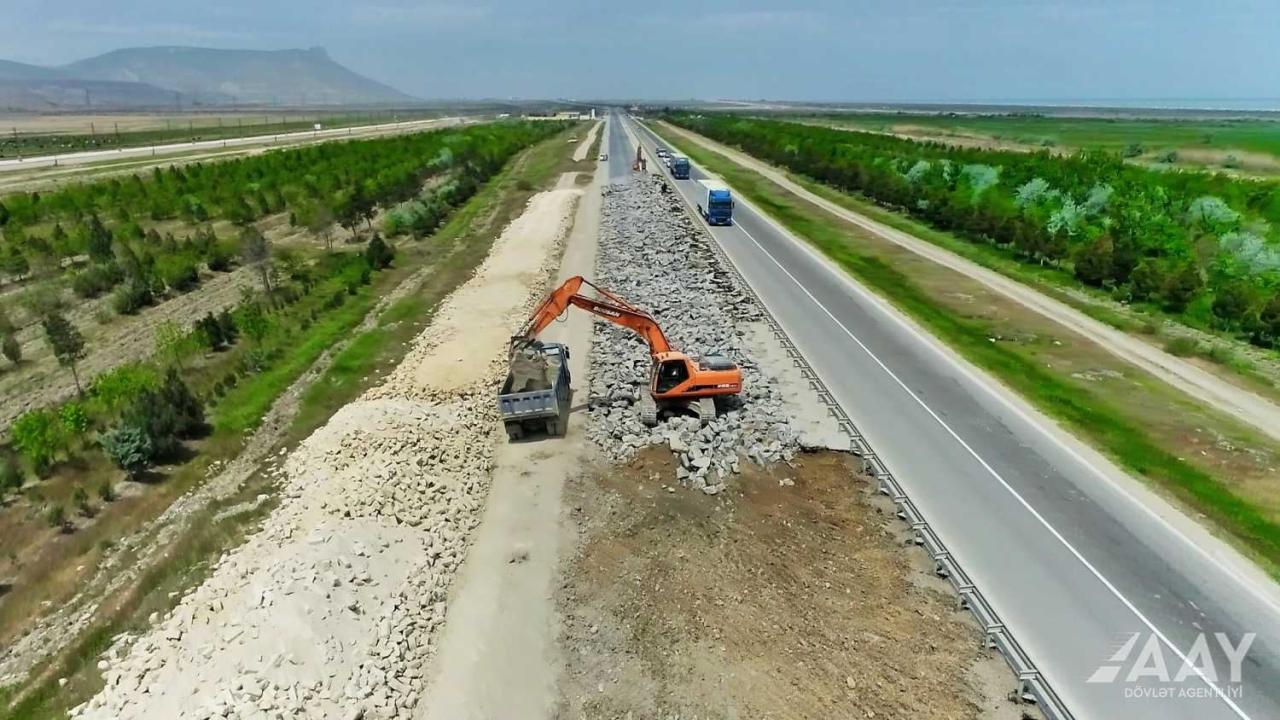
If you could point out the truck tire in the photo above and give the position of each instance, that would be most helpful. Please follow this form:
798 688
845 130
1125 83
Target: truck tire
514 431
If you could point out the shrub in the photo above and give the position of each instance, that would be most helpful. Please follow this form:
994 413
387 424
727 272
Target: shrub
378 254
74 419
210 332
178 272
11 348
38 436
132 297
1182 346
130 448
230 331
96 280
56 516
10 475
81 500
118 388
106 491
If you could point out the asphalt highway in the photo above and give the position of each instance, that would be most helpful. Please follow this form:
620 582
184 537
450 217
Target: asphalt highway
1073 556
281 139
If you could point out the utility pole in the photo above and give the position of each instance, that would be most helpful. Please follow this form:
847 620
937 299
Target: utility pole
17 144
118 136
93 132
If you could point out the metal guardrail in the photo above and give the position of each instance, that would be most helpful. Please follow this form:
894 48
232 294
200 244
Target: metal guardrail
1032 687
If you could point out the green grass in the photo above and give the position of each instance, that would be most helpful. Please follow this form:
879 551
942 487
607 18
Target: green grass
1092 417
1252 135
244 407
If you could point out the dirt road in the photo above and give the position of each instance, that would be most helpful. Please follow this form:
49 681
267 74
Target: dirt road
584 145
498 654
1210 389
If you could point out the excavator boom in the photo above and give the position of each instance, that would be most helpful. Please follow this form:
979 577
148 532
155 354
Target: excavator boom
611 308
677 382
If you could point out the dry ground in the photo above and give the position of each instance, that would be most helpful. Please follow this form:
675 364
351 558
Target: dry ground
791 596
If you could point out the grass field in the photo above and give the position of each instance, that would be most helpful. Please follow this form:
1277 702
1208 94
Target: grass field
1250 145
35 135
1156 433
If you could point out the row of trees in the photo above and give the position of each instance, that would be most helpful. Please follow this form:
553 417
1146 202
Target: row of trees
140 413
343 182
1197 244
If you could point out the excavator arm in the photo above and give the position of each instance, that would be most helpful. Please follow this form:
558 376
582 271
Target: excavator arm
609 306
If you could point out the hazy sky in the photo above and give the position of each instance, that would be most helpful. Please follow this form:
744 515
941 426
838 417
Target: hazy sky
868 50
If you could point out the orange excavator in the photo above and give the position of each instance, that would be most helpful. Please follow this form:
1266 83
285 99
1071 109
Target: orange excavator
677 382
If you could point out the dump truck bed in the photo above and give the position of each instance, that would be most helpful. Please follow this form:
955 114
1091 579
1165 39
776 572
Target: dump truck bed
535 395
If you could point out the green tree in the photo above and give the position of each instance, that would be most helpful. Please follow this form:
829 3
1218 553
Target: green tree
130 448
255 250
38 436
99 241
12 261
66 342
378 254
173 343
320 223
188 412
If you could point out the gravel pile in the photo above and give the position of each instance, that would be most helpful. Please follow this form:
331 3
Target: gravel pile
653 255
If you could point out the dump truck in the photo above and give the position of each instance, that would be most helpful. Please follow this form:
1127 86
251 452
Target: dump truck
717 207
535 396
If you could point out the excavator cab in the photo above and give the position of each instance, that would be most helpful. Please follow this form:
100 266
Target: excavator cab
670 374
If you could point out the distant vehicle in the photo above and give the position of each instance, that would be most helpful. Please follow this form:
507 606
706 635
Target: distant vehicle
679 167
662 152
718 207
604 156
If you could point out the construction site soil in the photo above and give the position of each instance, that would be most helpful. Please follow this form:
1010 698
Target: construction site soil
790 595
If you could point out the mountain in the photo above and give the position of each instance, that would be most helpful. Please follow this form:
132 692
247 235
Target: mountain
57 93
10 70
290 77
165 76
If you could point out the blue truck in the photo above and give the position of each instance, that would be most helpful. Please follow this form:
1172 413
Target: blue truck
717 209
680 167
